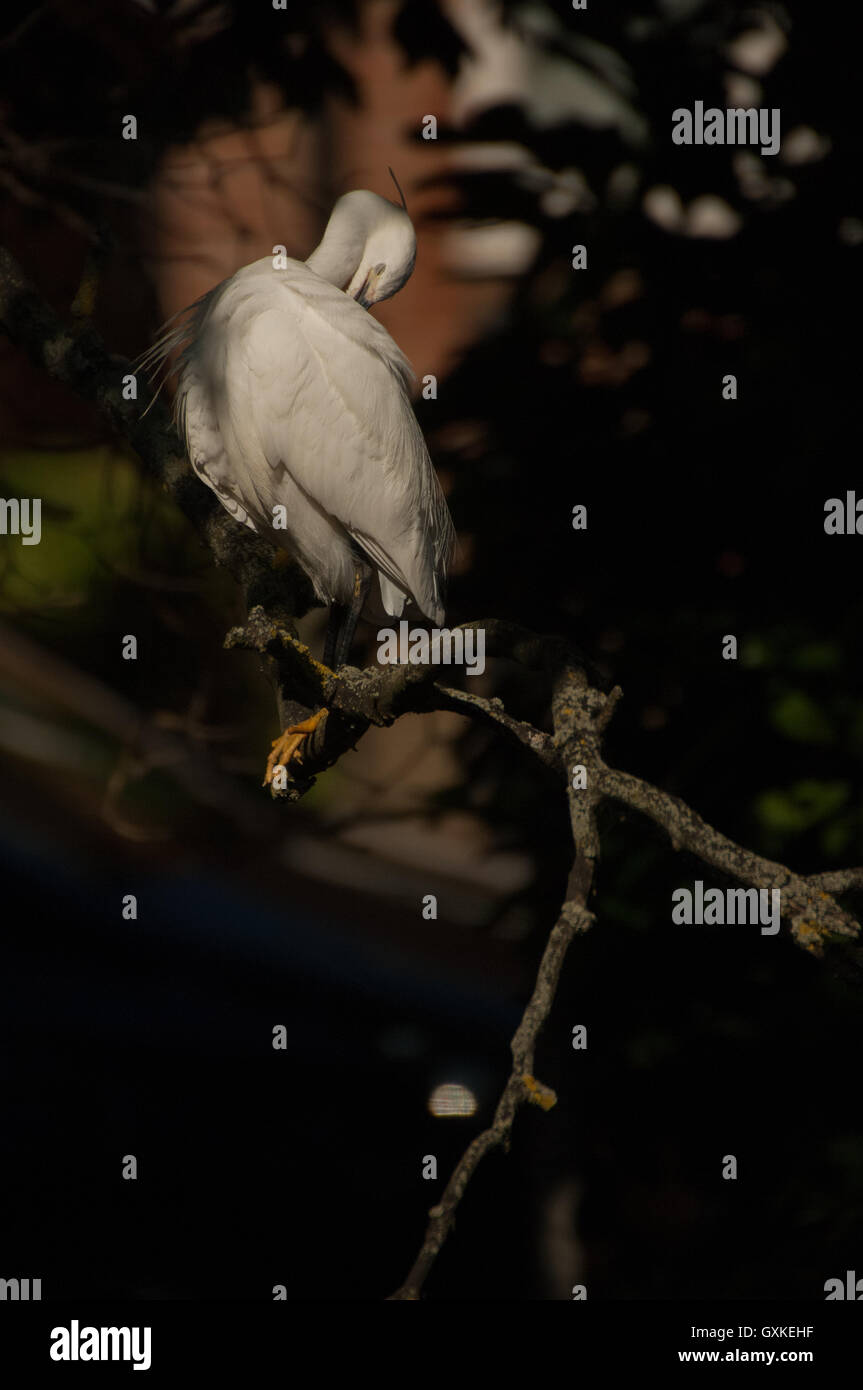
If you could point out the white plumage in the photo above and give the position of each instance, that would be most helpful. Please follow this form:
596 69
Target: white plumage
291 395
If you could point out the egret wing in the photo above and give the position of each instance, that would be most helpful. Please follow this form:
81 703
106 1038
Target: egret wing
327 390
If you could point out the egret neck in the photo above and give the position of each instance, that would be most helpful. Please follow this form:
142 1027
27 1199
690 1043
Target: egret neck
368 248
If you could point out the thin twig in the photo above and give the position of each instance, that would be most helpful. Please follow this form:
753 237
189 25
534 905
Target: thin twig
356 700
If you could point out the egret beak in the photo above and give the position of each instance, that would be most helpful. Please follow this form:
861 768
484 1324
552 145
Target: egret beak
366 295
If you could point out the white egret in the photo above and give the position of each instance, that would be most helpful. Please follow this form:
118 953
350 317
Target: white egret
293 402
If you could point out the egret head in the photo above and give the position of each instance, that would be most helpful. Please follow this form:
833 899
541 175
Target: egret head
368 249
389 251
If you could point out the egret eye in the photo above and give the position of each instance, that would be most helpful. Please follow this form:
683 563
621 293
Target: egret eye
379 269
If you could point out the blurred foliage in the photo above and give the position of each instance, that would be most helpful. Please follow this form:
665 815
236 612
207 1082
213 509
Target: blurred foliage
605 388
94 517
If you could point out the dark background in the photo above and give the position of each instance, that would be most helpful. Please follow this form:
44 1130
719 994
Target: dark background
153 1037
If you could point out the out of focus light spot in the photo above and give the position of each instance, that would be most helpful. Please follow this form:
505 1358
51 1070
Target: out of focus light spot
850 231
599 366
560 192
741 90
451 1099
502 248
622 185
467 438
756 183
623 286
757 50
710 216
483 155
663 206
569 193
803 145
707 216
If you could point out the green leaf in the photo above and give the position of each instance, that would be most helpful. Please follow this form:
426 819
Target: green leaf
796 715
801 806
817 656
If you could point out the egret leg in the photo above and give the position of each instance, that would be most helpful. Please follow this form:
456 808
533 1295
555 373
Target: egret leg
344 619
286 746
334 626
340 635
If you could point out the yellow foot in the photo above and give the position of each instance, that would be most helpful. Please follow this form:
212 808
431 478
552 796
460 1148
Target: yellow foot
287 744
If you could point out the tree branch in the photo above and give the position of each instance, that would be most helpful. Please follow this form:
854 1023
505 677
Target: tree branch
277 593
579 715
813 913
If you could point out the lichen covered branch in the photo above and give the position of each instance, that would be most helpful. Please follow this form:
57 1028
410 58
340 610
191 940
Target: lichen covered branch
275 595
